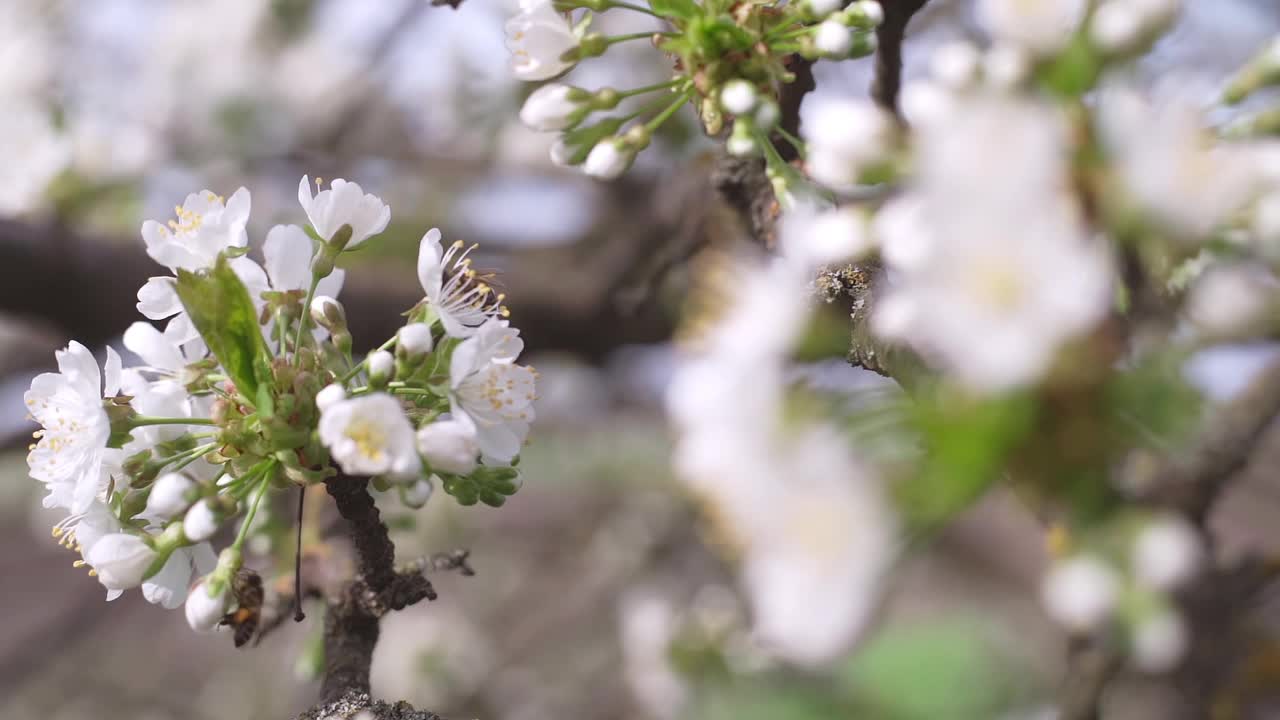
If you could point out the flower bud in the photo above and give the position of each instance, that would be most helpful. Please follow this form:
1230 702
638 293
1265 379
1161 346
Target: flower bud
169 496
738 97
823 8
833 39
1080 593
414 340
865 14
416 494
328 314
767 114
1159 642
553 107
1166 553
121 560
382 366
742 142
200 522
449 445
332 393
609 159
204 610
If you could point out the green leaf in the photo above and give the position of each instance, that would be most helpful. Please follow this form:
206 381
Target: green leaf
676 9
220 308
930 671
966 439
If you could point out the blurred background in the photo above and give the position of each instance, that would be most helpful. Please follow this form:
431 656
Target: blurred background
599 594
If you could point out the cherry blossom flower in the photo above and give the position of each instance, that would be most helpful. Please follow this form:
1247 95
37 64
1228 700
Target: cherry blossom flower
538 37
370 435
344 203
69 405
206 225
490 389
449 445
464 301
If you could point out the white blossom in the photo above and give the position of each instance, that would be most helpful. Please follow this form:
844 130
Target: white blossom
200 522
169 496
203 610
538 37
381 364
1080 593
69 405
551 107
1116 26
608 159
955 64
459 296
738 97
332 394
833 38
1172 167
415 339
1166 553
1159 642
120 559
990 300
492 391
168 588
825 236
287 254
344 203
1041 26
449 445
417 493
370 435
1233 301
206 225
845 138
34 151
822 8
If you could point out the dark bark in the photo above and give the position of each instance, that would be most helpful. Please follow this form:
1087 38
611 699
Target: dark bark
351 620
889 36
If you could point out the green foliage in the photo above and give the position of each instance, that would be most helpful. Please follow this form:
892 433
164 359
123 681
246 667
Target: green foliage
220 308
487 484
1152 405
966 441
1074 71
676 9
929 672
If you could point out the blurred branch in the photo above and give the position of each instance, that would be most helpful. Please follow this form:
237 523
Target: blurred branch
87 287
889 37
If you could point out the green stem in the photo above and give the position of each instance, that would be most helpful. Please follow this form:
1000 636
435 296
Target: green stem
306 316
650 88
786 32
670 110
190 456
615 39
263 484
795 142
143 420
355 370
629 6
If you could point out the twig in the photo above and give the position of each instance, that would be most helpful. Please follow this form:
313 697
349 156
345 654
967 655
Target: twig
889 37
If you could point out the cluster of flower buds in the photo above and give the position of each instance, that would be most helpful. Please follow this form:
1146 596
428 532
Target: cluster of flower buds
1126 578
731 62
251 388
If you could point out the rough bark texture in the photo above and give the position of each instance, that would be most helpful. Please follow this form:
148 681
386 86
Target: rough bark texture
351 619
351 704
889 37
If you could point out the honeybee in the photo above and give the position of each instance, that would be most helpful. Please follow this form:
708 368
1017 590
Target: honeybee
246 586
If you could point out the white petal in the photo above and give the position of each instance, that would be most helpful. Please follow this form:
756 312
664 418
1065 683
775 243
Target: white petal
288 252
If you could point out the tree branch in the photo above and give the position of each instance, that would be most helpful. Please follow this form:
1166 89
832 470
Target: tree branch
889 40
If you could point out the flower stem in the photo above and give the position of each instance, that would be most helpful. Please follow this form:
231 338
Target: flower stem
615 39
190 456
263 484
670 110
143 420
630 6
794 141
355 370
650 88
306 316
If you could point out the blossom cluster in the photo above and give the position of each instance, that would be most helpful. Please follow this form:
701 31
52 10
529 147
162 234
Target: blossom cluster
731 62
1045 242
251 387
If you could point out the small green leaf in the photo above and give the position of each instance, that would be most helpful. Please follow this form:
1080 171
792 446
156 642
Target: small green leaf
220 308
931 671
676 9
